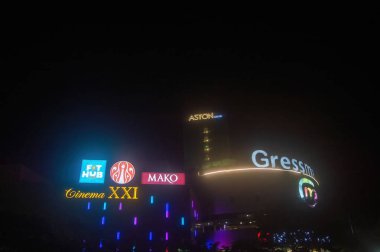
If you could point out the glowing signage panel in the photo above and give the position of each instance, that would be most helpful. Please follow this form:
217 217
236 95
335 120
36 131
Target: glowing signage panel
122 172
156 178
204 116
118 192
93 171
307 192
261 159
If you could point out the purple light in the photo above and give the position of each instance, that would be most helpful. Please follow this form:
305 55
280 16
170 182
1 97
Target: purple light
195 233
88 205
117 235
192 203
195 213
166 236
167 211
135 221
120 206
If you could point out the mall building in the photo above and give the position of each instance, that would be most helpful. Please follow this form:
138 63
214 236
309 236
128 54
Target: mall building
216 201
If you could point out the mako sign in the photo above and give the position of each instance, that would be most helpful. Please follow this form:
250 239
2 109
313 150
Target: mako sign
156 178
204 116
261 159
93 171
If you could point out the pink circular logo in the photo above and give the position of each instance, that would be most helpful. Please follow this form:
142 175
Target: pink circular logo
122 172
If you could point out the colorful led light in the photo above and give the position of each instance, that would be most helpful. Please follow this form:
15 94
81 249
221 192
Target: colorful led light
150 236
120 206
103 220
104 205
151 199
88 205
182 221
166 236
135 221
167 210
117 235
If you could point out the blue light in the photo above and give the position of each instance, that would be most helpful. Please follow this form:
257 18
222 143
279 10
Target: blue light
88 205
104 205
182 221
151 199
117 235
150 236
103 220
218 116
167 210
100 244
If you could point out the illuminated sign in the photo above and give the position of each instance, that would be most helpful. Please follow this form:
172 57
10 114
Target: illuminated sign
156 178
92 171
118 192
307 192
204 116
122 172
261 159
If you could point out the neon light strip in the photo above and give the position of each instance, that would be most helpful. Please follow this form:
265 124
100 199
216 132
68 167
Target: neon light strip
167 211
166 236
103 220
88 205
118 236
135 221
182 221
151 199
104 205
255 169
150 236
120 206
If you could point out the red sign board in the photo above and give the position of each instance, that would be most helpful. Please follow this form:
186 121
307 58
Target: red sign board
157 178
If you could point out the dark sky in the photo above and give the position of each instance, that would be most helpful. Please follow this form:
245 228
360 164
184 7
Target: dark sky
110 91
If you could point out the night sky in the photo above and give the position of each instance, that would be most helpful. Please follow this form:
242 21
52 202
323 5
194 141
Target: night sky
70 92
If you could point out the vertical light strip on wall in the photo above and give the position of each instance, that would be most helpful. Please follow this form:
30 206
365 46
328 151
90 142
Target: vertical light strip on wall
167 210
151 199
104 205
150 236
166 236
100 244
192 203
120 206
135 221
103 220
182 221
88 205
117 235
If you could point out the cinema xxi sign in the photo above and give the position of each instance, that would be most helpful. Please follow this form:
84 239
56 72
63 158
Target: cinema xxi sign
121 173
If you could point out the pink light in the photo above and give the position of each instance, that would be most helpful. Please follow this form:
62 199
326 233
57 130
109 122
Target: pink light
135 221
166 236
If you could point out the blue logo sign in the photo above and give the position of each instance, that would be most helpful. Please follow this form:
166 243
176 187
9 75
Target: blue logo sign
93 171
